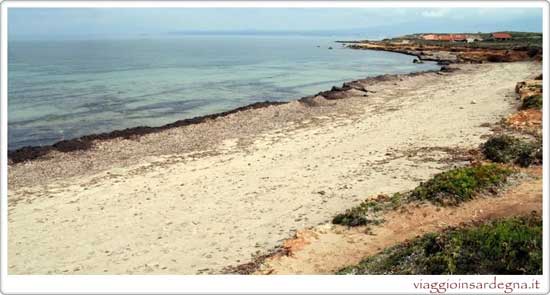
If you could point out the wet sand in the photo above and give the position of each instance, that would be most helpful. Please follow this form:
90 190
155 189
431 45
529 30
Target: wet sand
197 198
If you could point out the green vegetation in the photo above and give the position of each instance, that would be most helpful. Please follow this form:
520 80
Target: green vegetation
507 246
461 184
368 211
532 102
447 188
508 149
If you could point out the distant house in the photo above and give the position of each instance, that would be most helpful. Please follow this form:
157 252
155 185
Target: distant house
430 37
445 38
473 38
452 38
501 36
458 37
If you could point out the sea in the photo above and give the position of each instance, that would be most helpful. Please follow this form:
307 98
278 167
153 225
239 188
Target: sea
63 89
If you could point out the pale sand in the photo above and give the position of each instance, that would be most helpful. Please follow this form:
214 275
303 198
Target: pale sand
201 211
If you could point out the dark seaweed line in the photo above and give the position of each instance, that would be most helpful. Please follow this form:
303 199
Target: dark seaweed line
86 142
28 153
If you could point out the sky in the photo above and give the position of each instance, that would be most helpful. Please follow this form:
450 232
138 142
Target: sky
92 23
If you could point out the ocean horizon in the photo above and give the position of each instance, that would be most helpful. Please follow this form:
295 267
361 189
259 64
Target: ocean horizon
64 89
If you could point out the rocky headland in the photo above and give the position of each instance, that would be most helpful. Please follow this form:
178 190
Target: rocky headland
453 52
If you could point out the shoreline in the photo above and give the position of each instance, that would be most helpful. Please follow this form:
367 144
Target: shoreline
442 55
85 142
82 143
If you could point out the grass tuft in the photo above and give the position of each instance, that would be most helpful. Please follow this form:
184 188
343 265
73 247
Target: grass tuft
510 246
369 211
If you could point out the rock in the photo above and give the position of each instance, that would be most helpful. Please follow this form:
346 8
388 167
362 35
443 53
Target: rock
330 47
417 61
473 102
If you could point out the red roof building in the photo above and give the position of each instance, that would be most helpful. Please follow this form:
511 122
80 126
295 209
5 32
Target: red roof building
502 36
431 37
452 37
457 37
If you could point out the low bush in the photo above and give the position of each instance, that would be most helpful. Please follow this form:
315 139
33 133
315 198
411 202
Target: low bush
461 184
447 188
532 102
510 246
509 149
368 212
533 51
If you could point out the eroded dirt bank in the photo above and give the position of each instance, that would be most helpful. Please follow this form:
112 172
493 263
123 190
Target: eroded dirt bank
248 180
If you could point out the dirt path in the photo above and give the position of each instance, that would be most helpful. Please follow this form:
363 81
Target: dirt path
197 213
326 249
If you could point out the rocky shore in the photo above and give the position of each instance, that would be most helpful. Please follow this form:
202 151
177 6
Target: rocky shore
204 195
453 53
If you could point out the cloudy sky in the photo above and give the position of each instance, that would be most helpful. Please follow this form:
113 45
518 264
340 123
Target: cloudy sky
48 23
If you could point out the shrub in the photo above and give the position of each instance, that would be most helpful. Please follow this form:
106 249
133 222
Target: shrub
461 184
506 246
368 211
508 149
532 102
533 51
447 188
351 218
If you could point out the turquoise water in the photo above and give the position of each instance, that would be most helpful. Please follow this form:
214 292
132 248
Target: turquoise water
65 89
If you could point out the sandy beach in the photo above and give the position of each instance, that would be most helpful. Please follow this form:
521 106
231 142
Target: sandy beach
198 198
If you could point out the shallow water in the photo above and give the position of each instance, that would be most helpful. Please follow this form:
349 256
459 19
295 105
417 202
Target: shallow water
65 89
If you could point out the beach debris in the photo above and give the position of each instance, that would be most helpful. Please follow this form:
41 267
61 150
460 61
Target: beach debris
447 69
88 141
